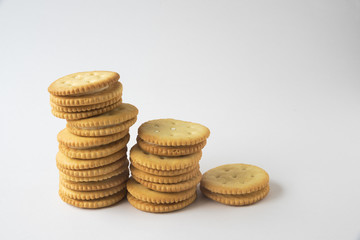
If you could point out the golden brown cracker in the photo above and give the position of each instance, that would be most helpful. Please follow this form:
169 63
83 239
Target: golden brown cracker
101 131
163 163
174 187
71 140
238 199
83 83
145 194
172 132
235 179
159 208
113 91
96 185
96 152
170 151
96 203
163 179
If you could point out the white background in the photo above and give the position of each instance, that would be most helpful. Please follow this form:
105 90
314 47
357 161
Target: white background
277 83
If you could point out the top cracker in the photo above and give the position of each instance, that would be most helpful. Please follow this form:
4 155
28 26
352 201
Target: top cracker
171 132
83 83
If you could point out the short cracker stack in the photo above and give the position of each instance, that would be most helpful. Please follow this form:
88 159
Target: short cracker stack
165 165
92 157
235 184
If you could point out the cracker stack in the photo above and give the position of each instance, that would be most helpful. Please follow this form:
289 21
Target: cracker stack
92 157
235 184
165 165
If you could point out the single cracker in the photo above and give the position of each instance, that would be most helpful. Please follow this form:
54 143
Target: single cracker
90 195
162 162
95 178
94 171
113 91
237 200
118 115
170 151
74 109
174 187
96 152
98 185
97 203
171 132
68 139
82 115
101 131
235 179
147 195
77 164
165 173
163 179
83 83
159 208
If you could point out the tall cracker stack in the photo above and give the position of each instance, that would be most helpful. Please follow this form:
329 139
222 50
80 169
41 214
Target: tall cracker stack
92 157
165 165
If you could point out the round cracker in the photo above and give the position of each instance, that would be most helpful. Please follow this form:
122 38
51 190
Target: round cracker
170 151
113 91
83 83
96 185
235 179
96 152
97 203
101 131
71 140
145 194
163 179
174 187
90 195
172 132
94 171
163 163
77 164
159 208
82 115
118 115
95 178
239 199
165 173
85 108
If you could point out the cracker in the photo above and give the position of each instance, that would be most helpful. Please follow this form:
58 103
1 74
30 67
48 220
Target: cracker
235 179
113 91
163 179
83 83
170 151
163 163
101 131
97 203
118 115
74 109
68 139
90 195
95 178
171 132
96 185
239 199
174 187
82 115
145 194
76 164
165 173
96 152
159 208
94 171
